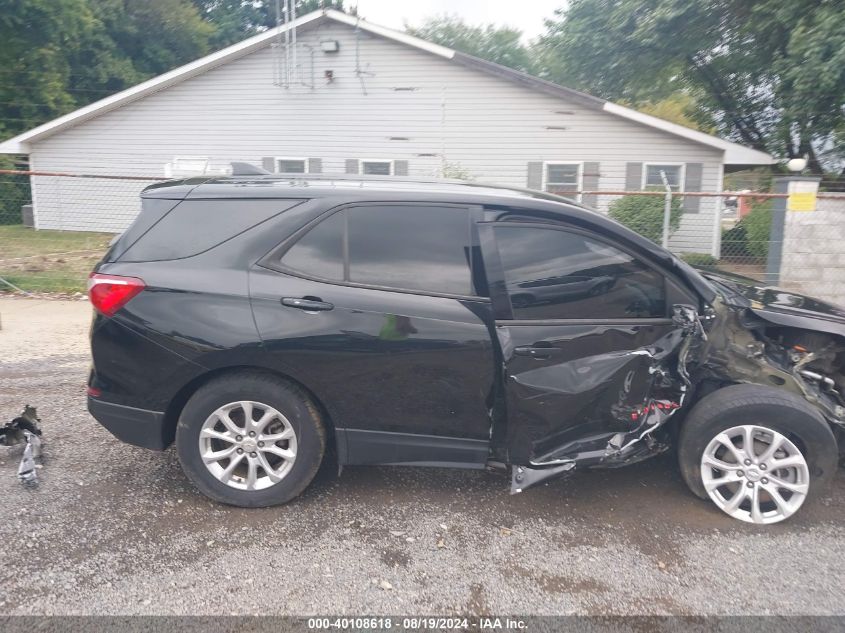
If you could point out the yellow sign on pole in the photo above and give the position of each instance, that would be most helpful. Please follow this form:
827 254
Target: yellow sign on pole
801 201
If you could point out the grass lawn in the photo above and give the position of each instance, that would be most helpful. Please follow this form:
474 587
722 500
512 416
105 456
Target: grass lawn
49 261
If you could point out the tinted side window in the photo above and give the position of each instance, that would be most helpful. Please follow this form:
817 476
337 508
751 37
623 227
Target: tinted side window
319 252
406 247
554 274
194 226
412 247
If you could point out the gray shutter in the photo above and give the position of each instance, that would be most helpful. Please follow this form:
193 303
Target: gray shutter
315 165
400 168
351 165
590 182
633 176
692 182
269 163
535 175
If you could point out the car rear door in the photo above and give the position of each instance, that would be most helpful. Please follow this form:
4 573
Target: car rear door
575 316
376 309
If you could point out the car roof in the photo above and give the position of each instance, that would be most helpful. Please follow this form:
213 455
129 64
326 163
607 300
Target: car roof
340 185
345 189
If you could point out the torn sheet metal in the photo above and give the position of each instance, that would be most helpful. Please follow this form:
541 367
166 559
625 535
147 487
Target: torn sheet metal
602 410
24 429
524 476
739 351
585 405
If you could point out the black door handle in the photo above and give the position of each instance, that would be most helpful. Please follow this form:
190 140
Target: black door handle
535 352
307 303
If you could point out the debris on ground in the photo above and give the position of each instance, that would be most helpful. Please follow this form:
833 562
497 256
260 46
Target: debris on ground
24 429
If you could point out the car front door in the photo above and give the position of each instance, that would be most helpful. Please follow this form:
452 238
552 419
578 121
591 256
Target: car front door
374 307
574 314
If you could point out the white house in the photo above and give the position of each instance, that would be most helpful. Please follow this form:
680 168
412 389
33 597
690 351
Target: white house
332 93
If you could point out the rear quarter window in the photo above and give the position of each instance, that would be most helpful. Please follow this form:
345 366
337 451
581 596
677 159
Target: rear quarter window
195 226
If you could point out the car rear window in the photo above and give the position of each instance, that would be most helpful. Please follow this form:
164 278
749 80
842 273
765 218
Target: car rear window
195 226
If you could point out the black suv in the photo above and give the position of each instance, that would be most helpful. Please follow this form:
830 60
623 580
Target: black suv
257 320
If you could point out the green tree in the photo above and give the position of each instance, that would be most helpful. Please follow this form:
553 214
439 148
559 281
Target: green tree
234 20
502 45
769 73
644 214
36 37
58 55
678 107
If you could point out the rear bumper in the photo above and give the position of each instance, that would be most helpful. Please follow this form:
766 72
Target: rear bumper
133 426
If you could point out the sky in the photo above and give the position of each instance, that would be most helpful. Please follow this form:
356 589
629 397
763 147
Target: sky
526 16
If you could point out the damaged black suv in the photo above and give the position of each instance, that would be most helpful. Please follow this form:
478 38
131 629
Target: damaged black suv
257 320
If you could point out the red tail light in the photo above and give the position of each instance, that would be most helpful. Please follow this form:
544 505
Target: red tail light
109 293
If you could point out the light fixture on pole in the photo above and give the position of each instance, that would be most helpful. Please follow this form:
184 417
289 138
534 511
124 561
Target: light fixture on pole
797 165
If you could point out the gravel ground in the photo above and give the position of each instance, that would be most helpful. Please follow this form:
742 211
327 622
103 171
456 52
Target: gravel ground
113 529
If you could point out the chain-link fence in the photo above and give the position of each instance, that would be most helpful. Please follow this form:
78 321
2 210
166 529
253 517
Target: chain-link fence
49 241
54 228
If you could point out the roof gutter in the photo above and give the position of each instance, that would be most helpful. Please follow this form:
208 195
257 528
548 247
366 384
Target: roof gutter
735 154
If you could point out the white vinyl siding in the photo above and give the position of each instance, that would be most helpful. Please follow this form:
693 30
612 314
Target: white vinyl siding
452 117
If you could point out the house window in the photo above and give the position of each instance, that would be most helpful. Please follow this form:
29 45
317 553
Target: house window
377 167
292 165
563 178
674 174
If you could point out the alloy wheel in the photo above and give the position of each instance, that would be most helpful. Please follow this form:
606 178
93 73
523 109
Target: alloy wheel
755 474
248 445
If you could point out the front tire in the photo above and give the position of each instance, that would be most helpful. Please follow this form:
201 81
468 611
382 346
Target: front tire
757 452
250 439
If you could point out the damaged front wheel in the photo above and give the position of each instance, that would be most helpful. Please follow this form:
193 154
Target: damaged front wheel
756 452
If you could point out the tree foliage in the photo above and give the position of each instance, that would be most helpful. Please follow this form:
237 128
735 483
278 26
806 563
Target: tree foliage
769 73
644 214
502 45
59 55
678 107
236 19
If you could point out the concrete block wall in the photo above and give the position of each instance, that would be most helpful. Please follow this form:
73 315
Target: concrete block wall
813 260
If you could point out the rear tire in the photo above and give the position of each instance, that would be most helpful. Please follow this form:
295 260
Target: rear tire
250 439
768 416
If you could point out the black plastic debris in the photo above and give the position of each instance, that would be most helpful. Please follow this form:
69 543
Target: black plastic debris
24 429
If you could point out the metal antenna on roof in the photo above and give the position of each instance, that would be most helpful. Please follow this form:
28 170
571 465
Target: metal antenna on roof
292 31
284 63
277 47
286 70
